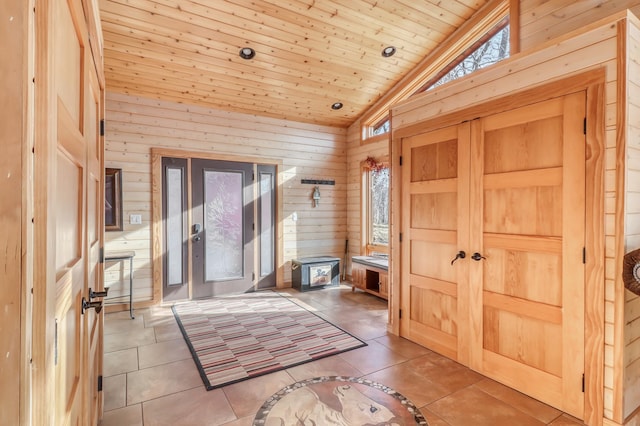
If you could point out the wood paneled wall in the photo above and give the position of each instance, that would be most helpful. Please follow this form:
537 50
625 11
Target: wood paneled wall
134 125
632 219
356 154
543 20
596 47
13 68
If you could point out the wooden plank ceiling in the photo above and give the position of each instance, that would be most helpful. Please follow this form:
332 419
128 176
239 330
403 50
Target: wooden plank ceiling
309 53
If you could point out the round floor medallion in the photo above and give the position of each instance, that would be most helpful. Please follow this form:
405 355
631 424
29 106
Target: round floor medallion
336 400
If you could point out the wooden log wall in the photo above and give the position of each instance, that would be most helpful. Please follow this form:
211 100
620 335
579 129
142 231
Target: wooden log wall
357 152
632 219
13 171
596 46
543 20
134 125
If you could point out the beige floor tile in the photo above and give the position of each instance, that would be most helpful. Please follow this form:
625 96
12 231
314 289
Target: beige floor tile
163 353
566 420
444 372
522 402
129 339
366 328
471 406
330 366
170 390
407 382
194 407
115 392
248 396
402 346
158 316
168 332
372 357
245 421
432 419
162 380
119 362
127 416
120 322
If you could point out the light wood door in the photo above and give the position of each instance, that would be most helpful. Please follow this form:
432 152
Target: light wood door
508 190
435 228
93 113
76 233
528 222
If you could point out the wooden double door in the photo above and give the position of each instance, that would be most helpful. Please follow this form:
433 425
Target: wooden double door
492 264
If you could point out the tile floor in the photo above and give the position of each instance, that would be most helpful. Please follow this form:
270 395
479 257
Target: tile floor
151 379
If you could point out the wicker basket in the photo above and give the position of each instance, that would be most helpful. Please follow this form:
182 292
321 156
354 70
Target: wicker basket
631 271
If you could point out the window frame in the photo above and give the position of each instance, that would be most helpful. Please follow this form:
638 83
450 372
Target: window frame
366 246
475 29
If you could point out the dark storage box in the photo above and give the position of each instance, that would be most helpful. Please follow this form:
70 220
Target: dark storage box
311 273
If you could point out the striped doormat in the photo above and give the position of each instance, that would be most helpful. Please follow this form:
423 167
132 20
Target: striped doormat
234 338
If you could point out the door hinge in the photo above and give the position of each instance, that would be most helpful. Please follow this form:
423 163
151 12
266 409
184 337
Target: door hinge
102 127
584 255
253 276
401 237
584 129
253 226
101 255
401 160
253 176
582 382
99 383
400 314
55 343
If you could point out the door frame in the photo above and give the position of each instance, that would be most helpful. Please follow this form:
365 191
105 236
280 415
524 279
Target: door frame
156 210
593 83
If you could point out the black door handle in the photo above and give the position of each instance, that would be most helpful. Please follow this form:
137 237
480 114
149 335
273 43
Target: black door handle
461 255
88 305
477 256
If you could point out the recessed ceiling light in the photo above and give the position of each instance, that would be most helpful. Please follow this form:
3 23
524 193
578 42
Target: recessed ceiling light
388 51
247 53
336 105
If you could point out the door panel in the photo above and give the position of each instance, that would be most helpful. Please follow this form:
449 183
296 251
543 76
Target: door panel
69 192
531 313
435 224
508 190
530 191
95 205
77 236
222 247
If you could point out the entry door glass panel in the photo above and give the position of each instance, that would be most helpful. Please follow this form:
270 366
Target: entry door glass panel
266 233
222 230
174 208
223 217
266 225
175 225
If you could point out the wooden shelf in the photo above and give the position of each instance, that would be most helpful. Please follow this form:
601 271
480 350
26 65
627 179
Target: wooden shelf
367 277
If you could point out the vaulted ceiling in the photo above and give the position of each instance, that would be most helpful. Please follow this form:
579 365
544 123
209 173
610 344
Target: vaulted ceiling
309 54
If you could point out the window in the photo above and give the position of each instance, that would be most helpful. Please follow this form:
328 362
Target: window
487 49
382 128
375 206
113 199
491 51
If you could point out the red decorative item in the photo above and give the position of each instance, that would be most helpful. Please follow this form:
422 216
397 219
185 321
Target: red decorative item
374 164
